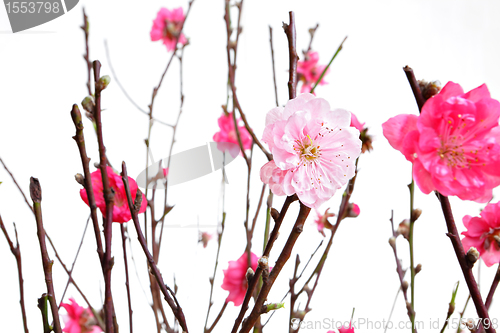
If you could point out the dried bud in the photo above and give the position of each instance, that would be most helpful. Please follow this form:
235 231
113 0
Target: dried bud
392 242
366 141
416 214
418 268
138 200
80 179
404 229
472 255
404 285
264 262
274 214
250 273
103 82
429 89
35 190
88 104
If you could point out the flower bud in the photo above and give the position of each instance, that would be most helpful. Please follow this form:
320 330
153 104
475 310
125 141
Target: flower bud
264 262
353 210
404 229
418 268
88 104
429 89
404 285
250 273
416 214
103 82
472 255
274 214
392 242
274 306
138 200
80 179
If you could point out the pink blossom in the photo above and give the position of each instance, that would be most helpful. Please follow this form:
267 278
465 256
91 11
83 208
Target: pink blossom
344 329
356 124
235 278
309 71
322 221
165 172
227 131
79 319
167 26
121 211
353 210
205 237
453 144
314 149
483 233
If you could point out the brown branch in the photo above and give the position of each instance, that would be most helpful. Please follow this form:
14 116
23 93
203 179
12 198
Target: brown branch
254 281
216 321
17 185
292 48
124 244
274 67
109 199
16 251
174 305
493 288
80 141
312 31
282 259
414 87
465 265
36 196
86 56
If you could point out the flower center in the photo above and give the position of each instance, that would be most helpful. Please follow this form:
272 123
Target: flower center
307 149
492 237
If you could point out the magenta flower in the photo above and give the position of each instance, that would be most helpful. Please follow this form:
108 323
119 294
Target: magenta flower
235 280
309 71
353 210
344 329
167 26
322 222
79 319
453 144
314 149
483 233
227 131
121 211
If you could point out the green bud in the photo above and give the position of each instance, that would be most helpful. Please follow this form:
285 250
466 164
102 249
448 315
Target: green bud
103 82
88 104
275 306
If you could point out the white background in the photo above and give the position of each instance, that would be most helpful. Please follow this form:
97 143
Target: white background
42 74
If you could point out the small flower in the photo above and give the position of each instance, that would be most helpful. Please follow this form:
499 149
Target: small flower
322 221
121 211
167 26
235 278
309 71
483 233
344 329
205 237
79 319
228 133
454 144
314 149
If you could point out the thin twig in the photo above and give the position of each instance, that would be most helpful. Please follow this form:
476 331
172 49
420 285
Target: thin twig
16 251
328 66
17 185
127 285
274 67
86 56
493 288
36 196
293 57
174 305
216 321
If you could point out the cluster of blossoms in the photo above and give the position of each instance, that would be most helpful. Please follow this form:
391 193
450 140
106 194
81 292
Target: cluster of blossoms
121 210
79 319
309 71
167 27
314 149
454 146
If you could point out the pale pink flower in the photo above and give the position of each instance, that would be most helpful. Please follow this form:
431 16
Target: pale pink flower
167 26
314 149
235 280
322 222
205 237
121 211
79 319
483 233
227 131
453 144
309 71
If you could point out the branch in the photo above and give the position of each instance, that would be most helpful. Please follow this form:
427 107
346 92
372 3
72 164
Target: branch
292 50
493 288
16 251
86 56
36 196
17 185
174 305
274 69
124 244
414 87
